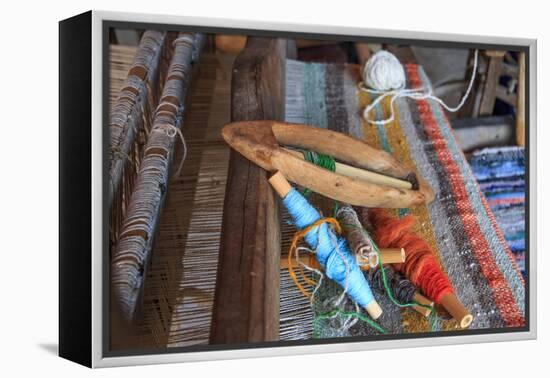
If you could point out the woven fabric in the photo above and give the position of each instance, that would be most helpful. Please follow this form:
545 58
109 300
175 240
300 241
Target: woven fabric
500 172
458 224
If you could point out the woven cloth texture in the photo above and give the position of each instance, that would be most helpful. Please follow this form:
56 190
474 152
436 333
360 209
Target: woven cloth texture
458 224
500 172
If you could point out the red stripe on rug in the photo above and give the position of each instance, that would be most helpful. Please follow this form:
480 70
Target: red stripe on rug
502 293
501 238
505 201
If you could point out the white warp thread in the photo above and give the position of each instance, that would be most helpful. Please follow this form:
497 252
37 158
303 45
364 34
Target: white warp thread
390 76
130 257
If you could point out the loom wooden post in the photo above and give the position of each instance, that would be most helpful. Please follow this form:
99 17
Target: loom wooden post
363 52
246 303
491 83
422 300
282 187
457 310
520 115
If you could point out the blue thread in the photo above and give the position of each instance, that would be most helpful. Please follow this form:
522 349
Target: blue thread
380 129
303 215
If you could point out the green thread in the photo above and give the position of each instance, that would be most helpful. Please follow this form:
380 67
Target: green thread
385 281
320 160
353 314
328 162
433 321
335 209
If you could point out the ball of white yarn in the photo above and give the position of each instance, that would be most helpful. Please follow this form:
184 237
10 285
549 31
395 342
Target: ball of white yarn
384 72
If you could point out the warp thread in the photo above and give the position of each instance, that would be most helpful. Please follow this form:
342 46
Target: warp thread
129 258
332 252
420 267
129 123
384 76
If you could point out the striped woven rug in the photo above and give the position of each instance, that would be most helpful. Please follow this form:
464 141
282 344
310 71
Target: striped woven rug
500 172
458 224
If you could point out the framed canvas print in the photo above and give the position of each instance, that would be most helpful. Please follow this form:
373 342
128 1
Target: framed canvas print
233 189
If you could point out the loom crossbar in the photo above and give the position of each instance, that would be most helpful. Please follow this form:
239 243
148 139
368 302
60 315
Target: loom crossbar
130 258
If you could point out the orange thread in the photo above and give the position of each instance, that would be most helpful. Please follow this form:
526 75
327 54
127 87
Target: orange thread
420 267
299 235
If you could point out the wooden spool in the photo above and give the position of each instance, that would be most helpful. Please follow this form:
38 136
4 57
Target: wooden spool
259 142
282 187
424 311
389 256
457 310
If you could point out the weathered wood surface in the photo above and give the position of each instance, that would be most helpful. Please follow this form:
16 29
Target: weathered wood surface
403 52
246 305
363 53
259 141
520 114
491 83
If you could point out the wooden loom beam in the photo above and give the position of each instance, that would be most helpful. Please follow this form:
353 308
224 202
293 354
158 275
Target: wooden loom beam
129 263
246 304
146 70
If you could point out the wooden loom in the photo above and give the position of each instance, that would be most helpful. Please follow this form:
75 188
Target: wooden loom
245 307
137 110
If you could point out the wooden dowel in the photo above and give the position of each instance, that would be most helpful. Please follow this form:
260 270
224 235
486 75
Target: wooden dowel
374 309
362 174
389 256
392 255
282 187
280 184
453 306
422 300
520 114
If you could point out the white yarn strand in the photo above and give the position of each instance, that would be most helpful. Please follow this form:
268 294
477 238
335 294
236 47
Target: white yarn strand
372 70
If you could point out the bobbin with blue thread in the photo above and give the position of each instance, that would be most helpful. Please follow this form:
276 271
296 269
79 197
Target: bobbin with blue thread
332 252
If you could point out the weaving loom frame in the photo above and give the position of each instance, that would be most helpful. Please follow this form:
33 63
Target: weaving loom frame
102 357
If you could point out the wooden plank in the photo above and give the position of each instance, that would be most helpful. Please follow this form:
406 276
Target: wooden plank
246 304
490 87
506 96
403 52
363 52
520 115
